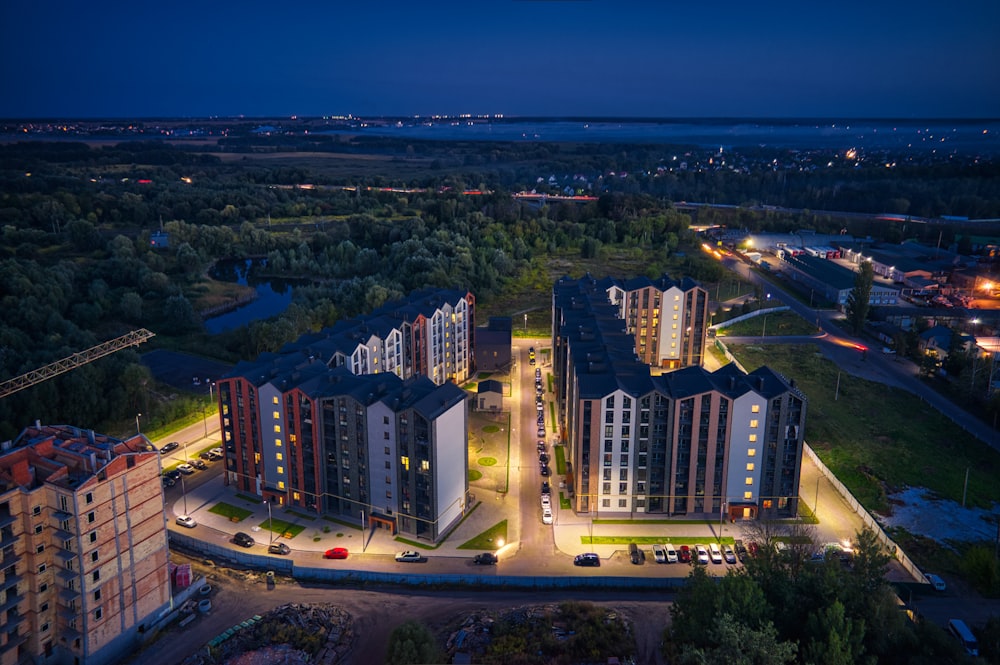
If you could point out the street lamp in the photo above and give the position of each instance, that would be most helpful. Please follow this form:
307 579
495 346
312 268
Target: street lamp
270 524
137 423
526 322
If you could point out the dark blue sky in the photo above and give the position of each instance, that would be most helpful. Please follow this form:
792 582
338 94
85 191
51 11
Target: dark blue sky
776 58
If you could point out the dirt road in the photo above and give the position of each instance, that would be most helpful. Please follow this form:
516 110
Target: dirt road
377 612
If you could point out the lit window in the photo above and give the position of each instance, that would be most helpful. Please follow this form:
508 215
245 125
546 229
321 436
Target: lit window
751 452
295 496
281 469
277 443
278 457
277 429
755 408
749 466
276 415
753 438
749 480
405 461
281 484
748 496
753 423
274 400
425 465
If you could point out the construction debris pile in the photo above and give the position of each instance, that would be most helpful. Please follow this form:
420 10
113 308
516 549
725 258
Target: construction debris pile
293 634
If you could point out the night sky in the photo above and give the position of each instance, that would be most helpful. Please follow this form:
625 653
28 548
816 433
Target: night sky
656 58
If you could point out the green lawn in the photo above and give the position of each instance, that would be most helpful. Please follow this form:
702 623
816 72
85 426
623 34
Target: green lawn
560 453
487 540
779 323
282 527
877 438
230 511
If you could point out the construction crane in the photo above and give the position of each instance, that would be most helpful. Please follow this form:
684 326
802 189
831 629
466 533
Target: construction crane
134 338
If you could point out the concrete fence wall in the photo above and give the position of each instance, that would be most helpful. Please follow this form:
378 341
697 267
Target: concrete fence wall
866 517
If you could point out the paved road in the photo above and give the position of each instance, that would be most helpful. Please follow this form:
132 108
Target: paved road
876 366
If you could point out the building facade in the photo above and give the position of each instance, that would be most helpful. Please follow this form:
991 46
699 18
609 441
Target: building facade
84 541
429 333
668 318
387 451
684 442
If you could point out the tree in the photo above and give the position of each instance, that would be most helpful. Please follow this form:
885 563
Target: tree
858 301
739 644
412 643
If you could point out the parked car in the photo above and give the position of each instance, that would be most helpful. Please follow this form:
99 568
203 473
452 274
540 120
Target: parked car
218 451
485 559
278 548
547 501
684 554
636 555
168 447
208 456
545 471
728 553
752 548
543 458
546 515
541 446
715 553
587 559
671 553
336 553
409 556
186 469
702 554
243 539
935 581
741 550
541 431
546 488
173 474
186 520
198 464
168 481
659 553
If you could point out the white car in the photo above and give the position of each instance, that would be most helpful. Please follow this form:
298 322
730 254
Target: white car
187 521
702 554
408 556
659 553
671 553
715 553
546 516
546 502
935 581
186 469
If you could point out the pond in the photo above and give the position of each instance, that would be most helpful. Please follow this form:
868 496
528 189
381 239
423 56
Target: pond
273 295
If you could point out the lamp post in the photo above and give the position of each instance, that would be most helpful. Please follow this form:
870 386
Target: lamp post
137 416
184 494
204 411
270 524
526 322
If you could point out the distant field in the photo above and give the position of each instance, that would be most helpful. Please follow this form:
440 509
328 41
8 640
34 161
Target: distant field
776 324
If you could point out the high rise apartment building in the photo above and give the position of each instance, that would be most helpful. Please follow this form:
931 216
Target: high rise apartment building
84 545
308 428
667 318
687 441
429 333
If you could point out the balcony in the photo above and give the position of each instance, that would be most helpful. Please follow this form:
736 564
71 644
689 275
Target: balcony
67 595
7 519
13 642
9 581
11 602
7 538
11 623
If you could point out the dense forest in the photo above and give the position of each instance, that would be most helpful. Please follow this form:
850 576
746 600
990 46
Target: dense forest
77 266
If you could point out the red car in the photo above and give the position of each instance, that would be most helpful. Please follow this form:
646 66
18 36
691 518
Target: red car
684 554
336 553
